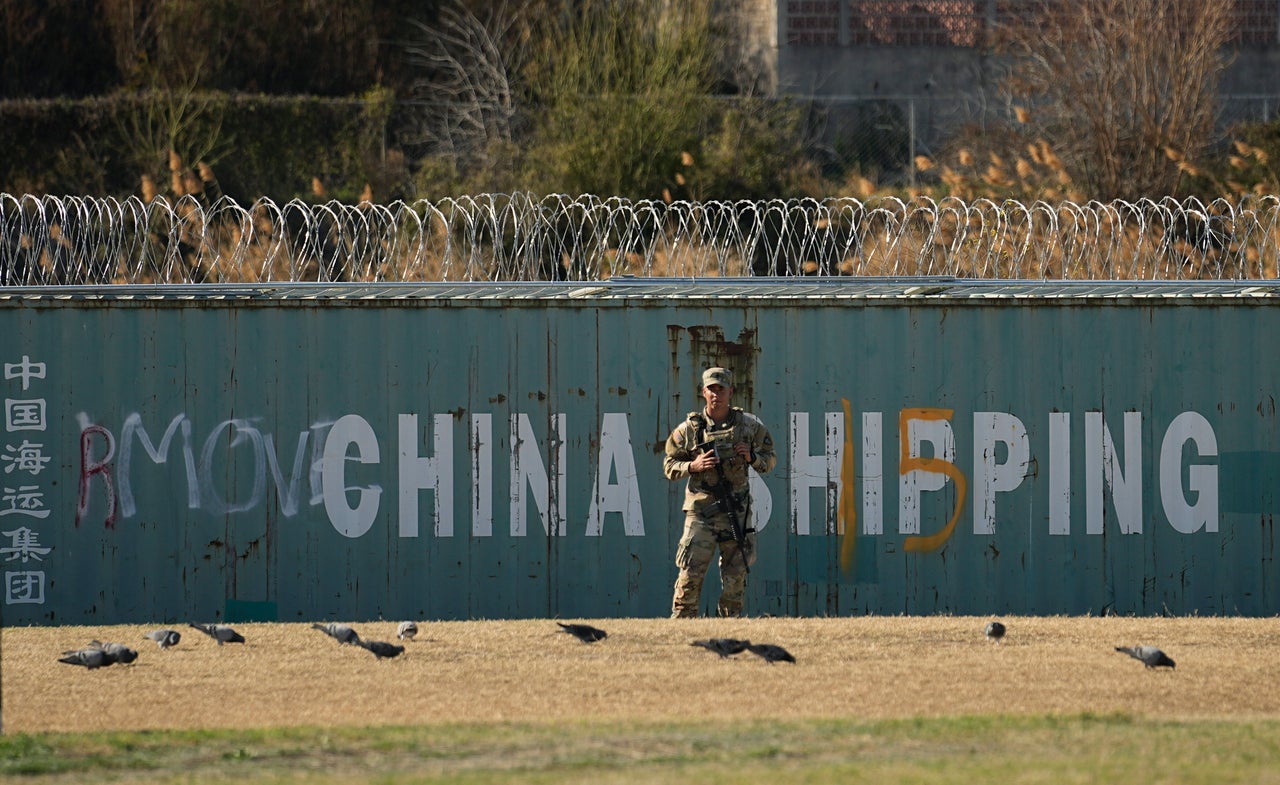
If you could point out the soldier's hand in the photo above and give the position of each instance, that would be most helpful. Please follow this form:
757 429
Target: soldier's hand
704 461
744 452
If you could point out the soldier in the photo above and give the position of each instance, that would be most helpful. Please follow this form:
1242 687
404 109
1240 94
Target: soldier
713 449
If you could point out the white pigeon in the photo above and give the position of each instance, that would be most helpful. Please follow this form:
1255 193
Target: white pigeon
406 630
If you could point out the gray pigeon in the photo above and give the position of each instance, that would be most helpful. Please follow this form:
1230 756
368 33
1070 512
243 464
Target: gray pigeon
381 649
406 630
91 658
995 631
339 632
164 638
219 632
117 652
584 632
723 646
770 652
1149 655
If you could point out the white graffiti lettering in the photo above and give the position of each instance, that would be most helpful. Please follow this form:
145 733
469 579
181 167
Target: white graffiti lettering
340 460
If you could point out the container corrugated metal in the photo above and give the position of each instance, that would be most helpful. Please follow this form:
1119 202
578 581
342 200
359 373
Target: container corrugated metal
461 453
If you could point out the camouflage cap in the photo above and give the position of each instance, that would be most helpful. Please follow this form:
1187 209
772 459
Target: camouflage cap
720 376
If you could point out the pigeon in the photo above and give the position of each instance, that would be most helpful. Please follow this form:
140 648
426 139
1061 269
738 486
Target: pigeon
1150 655
770 652
90 658
381 649
406 630
995 631
723 646
584 632
339 632
219 632
118 652
164 638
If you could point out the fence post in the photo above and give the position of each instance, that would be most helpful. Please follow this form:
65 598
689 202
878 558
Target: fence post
911 141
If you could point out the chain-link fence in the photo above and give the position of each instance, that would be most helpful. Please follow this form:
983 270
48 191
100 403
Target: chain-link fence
520 237
880 136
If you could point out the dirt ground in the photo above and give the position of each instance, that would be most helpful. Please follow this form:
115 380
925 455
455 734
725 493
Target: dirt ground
527 671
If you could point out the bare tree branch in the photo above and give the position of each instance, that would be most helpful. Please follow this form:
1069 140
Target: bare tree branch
1116 84
468 67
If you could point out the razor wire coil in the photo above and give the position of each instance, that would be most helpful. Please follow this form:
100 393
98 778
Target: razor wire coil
78 240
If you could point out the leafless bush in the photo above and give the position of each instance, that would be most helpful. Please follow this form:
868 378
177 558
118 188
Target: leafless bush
467 66
1112 84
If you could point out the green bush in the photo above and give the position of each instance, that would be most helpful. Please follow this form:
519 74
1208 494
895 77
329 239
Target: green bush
618 97
256 145
59 146
753 149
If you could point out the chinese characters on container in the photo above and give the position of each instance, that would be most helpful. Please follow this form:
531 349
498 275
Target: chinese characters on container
23 513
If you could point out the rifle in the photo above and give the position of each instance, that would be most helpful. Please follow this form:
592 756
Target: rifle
725 498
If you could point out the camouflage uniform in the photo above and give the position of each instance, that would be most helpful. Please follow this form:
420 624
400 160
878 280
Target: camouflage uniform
706 526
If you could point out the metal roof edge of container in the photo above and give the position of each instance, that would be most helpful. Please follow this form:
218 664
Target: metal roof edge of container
627 288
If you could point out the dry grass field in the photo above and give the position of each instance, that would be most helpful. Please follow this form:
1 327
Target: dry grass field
869 668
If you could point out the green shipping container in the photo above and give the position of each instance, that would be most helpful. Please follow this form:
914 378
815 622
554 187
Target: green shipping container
301 452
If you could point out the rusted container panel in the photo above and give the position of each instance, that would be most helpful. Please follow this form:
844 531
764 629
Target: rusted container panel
462 452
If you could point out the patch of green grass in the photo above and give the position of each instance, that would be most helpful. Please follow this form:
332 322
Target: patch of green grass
1046 749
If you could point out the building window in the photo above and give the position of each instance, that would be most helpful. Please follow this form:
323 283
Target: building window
1257 21
963 23
923 23
813 22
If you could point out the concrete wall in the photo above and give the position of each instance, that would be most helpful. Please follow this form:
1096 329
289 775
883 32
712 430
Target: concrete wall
918 72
